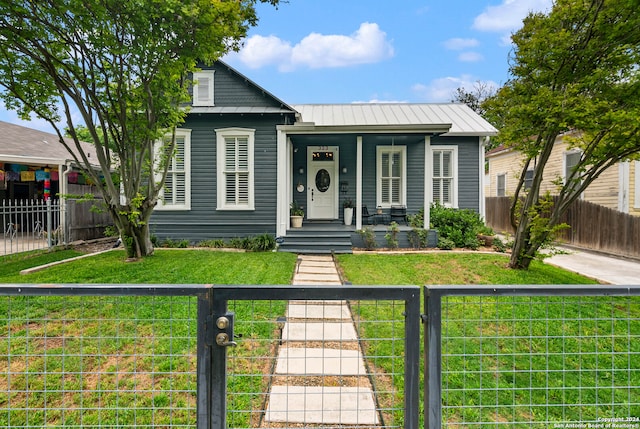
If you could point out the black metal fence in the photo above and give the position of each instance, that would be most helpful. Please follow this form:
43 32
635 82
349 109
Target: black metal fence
177 356
532 356
208 356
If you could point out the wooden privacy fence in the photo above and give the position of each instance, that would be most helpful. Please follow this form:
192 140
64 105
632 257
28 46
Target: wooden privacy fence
592 226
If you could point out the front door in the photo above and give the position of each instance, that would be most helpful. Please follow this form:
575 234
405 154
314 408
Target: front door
322 182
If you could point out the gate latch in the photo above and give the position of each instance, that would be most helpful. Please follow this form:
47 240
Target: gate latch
224 324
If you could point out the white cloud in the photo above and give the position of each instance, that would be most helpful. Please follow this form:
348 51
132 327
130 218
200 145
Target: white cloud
259 51
442 90
470 57
367 45
509 15
458 44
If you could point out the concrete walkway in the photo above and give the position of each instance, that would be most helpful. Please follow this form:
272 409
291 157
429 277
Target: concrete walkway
320 376
605 269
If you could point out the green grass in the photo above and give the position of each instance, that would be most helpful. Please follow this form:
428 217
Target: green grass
510 359
165 266
119 360
448 269
85 345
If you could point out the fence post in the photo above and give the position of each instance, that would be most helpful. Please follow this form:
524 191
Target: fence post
412 361
432 361
203 408
49 223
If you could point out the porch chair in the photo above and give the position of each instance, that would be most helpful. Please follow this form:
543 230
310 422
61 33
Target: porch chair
399 214
365 215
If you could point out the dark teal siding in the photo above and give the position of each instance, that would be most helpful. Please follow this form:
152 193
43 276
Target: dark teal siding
203 221
468 169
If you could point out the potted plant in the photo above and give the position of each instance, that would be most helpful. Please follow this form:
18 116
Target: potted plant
348 211
296 213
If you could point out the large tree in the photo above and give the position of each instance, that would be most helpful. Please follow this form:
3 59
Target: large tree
121 69
574 73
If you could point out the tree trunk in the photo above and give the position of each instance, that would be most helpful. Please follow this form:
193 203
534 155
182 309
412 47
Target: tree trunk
134 230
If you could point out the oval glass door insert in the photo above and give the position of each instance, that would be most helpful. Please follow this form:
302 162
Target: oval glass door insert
323 180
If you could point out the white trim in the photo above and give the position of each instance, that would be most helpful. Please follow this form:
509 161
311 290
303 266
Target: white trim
402 150
198 100
283 191
481 203
498 175
162 206
428 182
564 166
358 182
221 135
623 186
454 172
335 174
636 174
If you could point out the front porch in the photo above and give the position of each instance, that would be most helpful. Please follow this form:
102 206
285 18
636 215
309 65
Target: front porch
327 237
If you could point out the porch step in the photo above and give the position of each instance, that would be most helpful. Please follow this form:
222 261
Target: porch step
322 241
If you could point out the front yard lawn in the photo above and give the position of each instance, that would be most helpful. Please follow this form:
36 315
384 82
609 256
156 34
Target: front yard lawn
83 345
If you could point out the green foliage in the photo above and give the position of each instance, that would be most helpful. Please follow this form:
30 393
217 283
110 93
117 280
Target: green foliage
574 78
416 220
263 243
369 237
125 67
459 226
446 243
418 238
392 235
499 245
214 243
296 209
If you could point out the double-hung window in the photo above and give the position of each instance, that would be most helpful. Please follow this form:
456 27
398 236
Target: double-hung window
571 160
203 88
176 193
391 172
501 185
445 165
235 169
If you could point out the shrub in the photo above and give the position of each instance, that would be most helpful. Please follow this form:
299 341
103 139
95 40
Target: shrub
418 237
499 245
392 235
461 226
215 243
445 243
263 243
369 237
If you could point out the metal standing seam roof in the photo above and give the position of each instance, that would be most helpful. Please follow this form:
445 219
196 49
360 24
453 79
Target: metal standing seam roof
463 120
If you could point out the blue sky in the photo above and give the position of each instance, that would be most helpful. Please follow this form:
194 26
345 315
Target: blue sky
344 51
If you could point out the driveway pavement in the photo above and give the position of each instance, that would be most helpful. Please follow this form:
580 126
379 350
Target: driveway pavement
606 269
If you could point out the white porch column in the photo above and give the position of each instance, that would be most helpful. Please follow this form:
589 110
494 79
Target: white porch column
359 182
283 192
428 181
483 143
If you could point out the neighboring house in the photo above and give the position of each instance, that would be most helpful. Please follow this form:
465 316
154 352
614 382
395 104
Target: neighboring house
244 155
25 154
617 188
35 166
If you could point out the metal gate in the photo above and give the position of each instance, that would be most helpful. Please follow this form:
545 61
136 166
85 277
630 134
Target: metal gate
325 365
209 356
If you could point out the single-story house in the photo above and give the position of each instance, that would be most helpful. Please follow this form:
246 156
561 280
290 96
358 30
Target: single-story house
26 155
34 167
617 188
243 156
